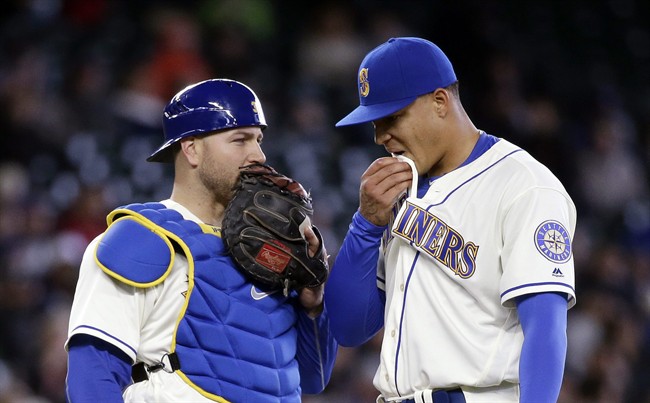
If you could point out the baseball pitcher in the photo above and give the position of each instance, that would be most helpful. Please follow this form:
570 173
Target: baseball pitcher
460 249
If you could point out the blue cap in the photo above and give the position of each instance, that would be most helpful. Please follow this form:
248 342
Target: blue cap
394 74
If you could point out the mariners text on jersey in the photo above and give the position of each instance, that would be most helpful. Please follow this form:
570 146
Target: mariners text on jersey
434 237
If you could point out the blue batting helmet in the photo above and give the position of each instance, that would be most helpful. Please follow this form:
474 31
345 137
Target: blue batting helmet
206 107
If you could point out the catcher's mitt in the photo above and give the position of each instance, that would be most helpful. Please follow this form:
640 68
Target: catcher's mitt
263 229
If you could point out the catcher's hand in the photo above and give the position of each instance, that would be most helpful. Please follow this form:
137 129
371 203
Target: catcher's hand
264 230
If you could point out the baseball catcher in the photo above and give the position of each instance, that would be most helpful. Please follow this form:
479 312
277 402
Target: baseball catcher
264 230
163 311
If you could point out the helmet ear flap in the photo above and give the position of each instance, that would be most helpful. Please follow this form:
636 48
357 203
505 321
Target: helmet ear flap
207 107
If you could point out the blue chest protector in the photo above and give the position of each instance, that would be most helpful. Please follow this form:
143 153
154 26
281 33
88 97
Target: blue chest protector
231 347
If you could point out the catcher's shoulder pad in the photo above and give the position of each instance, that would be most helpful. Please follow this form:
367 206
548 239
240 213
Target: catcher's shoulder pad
135 251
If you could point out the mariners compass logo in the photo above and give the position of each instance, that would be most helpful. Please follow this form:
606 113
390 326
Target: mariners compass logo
552 241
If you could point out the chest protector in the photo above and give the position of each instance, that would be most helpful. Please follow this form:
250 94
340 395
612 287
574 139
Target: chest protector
230 345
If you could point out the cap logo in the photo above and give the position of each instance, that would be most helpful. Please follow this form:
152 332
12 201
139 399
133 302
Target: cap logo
254 105
364 85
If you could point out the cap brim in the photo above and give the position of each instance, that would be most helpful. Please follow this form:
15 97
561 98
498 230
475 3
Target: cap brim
368 113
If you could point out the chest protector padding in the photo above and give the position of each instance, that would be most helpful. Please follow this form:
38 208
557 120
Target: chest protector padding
231 347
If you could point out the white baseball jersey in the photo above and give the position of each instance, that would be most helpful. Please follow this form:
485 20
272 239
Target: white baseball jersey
485 233
149 332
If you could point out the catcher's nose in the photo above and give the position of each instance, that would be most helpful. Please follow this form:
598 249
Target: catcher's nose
256 156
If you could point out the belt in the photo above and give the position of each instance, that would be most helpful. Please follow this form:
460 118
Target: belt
140 371
439 396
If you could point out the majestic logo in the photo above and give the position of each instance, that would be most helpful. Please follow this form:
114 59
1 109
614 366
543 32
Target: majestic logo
552 240
364 85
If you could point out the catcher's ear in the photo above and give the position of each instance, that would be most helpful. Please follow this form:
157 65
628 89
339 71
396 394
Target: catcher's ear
189 150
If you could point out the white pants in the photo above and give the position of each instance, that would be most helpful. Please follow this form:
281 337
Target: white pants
163 387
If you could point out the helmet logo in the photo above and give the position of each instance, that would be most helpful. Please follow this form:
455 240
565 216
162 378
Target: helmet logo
256 106
364 85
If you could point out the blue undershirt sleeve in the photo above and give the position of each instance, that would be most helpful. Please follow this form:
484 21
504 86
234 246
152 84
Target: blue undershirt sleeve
543 319
355 304
315 352
97 371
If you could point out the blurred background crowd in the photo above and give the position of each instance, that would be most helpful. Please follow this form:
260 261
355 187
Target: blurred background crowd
83 84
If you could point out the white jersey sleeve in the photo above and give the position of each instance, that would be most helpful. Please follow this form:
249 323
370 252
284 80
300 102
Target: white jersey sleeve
537 257
133 319
104 307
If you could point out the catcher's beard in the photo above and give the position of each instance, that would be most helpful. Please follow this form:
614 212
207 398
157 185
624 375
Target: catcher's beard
220 183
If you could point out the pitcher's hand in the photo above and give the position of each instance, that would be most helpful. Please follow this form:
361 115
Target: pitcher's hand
381 184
